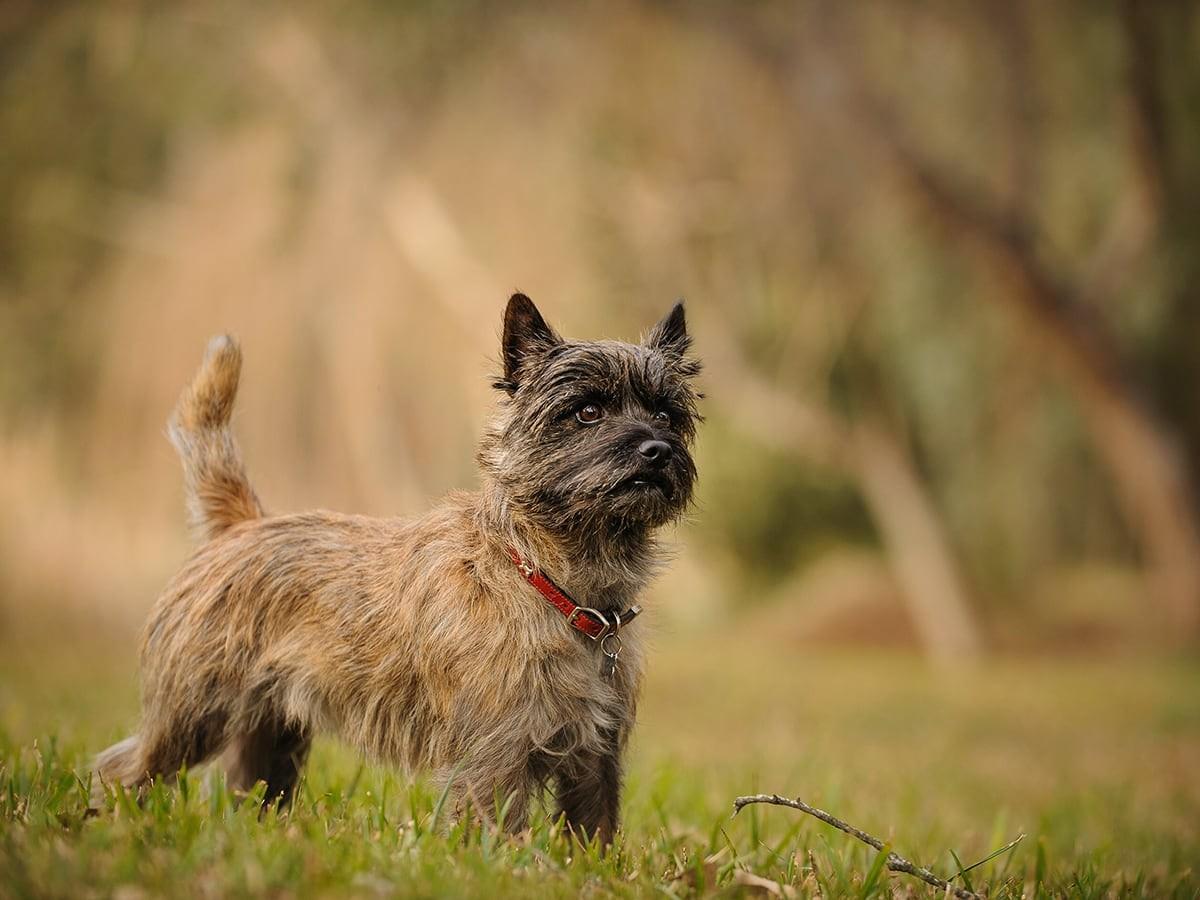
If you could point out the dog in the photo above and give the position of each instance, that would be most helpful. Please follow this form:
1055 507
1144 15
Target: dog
489 641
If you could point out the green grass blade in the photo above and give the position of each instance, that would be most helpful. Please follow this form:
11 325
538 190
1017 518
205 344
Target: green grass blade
962 872
874 874
441 801
1011 845
1039 871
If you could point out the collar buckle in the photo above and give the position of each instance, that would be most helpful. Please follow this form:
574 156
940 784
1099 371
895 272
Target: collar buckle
594 614
587 620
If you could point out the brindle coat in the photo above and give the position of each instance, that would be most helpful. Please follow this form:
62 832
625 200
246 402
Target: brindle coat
418 641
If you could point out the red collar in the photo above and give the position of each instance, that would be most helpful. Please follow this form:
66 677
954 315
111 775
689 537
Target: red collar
591 622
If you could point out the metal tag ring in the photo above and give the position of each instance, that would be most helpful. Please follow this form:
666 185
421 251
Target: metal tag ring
604 645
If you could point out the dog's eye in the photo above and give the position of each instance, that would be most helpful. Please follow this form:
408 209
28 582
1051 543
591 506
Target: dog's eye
662 417
590 414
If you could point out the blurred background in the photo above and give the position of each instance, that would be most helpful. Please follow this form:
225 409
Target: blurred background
939 258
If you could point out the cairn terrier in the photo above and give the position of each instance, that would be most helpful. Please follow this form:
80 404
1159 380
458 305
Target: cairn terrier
488 641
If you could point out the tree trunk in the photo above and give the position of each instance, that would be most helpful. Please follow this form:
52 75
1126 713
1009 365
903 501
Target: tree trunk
910 528
920 551
1157 496
1152 483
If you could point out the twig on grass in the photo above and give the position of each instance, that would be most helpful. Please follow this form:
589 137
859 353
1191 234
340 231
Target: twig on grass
894 861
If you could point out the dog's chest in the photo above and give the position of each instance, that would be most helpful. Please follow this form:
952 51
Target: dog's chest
581 706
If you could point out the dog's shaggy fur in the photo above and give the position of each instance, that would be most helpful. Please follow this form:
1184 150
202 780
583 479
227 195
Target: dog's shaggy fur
418 641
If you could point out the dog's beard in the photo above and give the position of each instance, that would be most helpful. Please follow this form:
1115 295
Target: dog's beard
607 496
648 498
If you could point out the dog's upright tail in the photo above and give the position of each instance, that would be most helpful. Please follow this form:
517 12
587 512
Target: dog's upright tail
219 494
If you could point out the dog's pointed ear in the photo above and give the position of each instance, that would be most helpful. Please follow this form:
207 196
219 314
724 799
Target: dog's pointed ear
670 335
525 332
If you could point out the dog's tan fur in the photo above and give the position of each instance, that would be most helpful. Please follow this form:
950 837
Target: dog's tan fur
417 641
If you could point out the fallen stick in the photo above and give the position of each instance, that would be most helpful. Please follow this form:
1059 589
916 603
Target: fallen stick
894 861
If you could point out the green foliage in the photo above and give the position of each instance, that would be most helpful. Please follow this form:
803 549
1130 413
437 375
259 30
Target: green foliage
774 512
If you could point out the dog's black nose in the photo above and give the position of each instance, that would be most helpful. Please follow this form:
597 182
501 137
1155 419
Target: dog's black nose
657 453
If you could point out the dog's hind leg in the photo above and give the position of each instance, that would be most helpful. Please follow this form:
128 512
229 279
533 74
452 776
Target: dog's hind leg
161 750
119 764
273 751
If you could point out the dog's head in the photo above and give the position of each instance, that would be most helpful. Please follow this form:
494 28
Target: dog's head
594 433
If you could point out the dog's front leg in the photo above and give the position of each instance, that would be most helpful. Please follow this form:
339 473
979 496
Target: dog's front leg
500 799
589 794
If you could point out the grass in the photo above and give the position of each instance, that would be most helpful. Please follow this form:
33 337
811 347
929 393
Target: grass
1098 762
